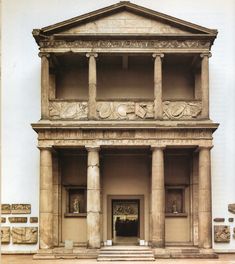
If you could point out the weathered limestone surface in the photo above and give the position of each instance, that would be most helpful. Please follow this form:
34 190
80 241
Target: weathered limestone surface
68 110
219 219
33 220
158 85
92 85
17 219
221 233
5 208
21 208
205 84
125 22
158 198
3 219
125 110
25 235
181 110
204 203
231 208
93 198
5 234
46 199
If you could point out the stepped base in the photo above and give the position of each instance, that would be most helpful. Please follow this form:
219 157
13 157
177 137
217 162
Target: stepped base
126 253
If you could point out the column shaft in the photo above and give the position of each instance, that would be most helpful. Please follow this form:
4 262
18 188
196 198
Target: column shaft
93 198
204 203
92 82
45 84
46 199
158 86
158 198
205 85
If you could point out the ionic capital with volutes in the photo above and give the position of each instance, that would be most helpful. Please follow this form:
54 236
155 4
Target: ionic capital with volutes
44 54
160 55
205 54
91 54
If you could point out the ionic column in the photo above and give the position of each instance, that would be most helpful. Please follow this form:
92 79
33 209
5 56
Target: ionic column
158 85
92 82
46 199
45 84
205 84
204 203
158 197
93 198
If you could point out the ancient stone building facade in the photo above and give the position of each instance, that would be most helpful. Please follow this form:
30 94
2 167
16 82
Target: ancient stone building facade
125 132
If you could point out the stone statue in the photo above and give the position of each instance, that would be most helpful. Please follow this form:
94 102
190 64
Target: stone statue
174 207
76 206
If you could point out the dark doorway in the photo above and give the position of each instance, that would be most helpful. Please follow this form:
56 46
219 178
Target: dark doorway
125 220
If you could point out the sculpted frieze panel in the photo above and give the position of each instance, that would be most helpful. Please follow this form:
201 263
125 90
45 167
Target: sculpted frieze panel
126 44
68 110
21 208
5 234
125 110
181 110
25 235
221 233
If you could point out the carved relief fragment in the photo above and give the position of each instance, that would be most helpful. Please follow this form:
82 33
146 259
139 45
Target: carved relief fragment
5 235
25 235
125 110
221 233
3 219
33 219
126 44
231 208
17 219
21 208
181 110
5 208
68 110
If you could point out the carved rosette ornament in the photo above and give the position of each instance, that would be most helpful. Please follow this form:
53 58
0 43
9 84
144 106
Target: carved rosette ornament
125 110
181 110
68 110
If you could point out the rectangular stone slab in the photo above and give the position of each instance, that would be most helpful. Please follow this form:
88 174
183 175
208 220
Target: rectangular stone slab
17 219
5 209
221 234
21 208
33 219
24 235
3 219
5 235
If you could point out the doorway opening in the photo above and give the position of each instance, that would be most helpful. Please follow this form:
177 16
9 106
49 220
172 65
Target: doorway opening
125 221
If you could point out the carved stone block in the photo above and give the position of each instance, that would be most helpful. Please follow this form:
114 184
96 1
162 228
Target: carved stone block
33 219
231 208
25 235
5 235
221 233
125 110
68 110
181 110
231 219
17 219
3 219
5 208
219 219
21 208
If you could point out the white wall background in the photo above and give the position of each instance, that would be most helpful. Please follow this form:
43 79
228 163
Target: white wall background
21 92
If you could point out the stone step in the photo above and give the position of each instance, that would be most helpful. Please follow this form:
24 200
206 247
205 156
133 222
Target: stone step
130 253
127 259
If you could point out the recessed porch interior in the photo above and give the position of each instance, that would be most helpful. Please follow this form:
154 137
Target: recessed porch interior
126 77
125 176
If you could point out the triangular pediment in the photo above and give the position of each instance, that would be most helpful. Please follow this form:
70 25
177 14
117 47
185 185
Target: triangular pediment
121 19
125 22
